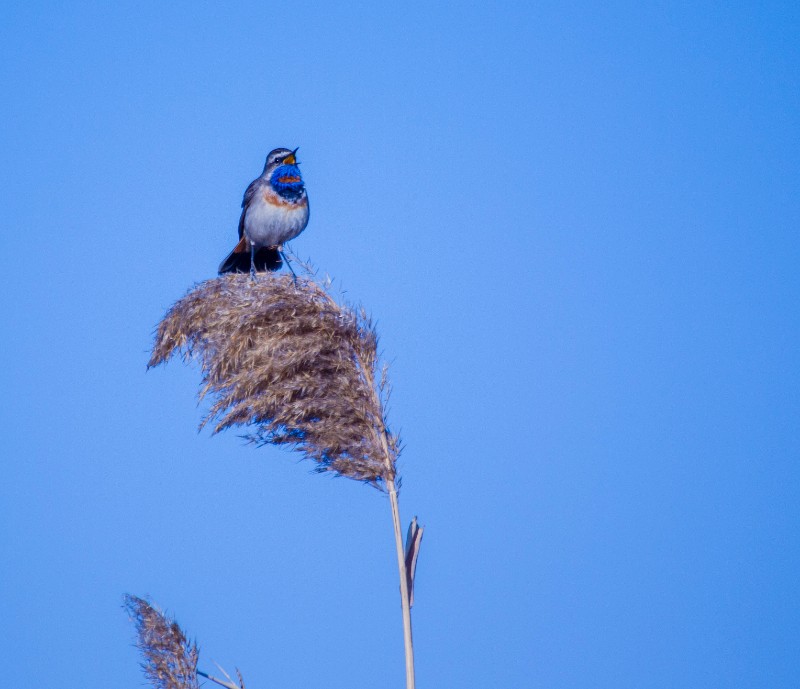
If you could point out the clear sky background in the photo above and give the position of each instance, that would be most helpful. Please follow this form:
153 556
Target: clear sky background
577 228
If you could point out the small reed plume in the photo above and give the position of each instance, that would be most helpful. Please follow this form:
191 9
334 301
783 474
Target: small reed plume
169 658
284 358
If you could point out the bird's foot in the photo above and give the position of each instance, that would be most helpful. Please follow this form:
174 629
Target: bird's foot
288 265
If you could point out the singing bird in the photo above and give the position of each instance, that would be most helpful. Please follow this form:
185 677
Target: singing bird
274 210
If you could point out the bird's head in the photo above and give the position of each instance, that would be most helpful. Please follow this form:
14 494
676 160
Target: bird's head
280 156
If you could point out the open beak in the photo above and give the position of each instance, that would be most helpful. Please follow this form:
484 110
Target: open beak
291 159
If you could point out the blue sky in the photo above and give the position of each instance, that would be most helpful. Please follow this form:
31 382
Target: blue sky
577 228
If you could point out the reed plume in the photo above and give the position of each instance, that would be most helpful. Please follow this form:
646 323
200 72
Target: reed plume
285 359
169 658
282 357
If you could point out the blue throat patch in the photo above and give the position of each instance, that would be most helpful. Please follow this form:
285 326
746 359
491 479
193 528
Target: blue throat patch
286 180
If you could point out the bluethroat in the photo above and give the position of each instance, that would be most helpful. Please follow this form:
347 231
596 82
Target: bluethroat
274 210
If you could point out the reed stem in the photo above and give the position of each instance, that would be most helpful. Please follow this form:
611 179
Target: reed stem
404 595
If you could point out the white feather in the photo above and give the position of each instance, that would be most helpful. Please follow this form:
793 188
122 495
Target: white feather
271 224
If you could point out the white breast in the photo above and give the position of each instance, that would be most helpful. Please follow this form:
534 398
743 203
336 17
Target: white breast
274 221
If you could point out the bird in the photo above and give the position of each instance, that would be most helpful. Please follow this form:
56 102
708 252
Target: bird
274 210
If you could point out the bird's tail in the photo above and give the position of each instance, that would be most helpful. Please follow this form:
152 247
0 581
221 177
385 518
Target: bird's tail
238 260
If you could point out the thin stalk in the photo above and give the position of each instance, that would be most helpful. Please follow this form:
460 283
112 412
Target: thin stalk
404 598
389 475
221 682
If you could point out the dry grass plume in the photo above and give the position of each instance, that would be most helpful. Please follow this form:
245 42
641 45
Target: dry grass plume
169 658
287 360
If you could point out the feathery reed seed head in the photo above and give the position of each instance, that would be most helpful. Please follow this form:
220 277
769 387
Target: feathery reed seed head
288 360
169 659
